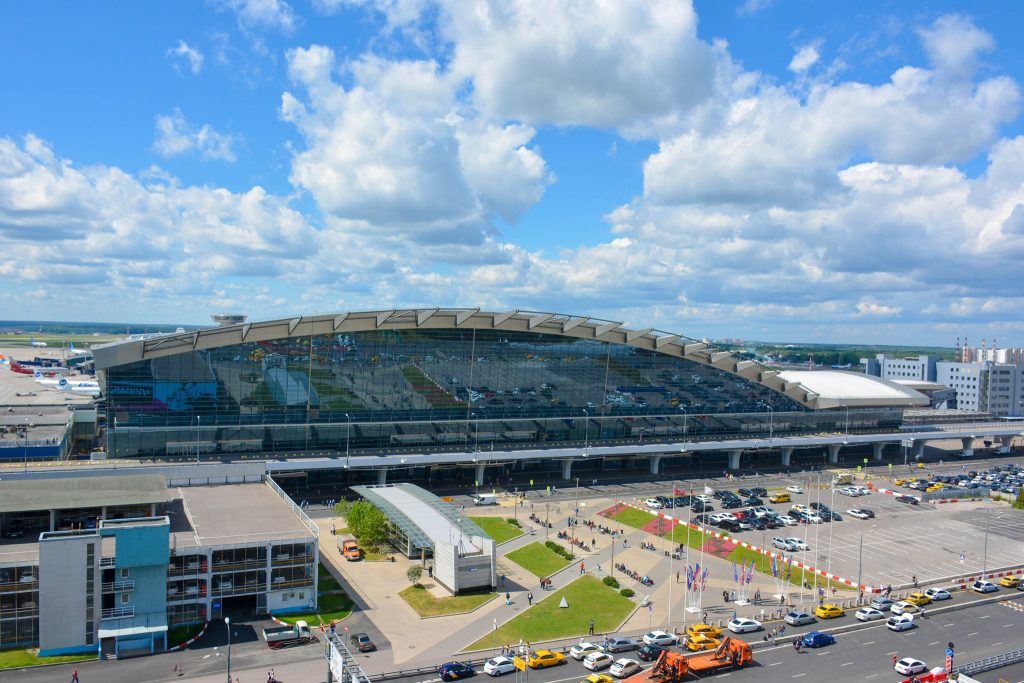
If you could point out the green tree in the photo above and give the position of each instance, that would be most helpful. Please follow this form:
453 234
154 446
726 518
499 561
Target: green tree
368 524
414 573
1019 503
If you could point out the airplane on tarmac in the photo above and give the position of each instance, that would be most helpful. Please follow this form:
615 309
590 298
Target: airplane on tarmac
74 383
38 344
79 387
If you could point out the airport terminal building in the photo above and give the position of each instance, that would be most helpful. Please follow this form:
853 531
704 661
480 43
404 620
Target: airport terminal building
427 380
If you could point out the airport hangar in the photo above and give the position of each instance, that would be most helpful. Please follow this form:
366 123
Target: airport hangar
430 395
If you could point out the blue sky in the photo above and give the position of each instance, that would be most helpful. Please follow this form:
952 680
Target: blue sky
778 170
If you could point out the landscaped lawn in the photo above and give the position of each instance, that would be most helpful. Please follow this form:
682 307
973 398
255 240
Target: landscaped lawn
332 606
538 559
497 528
633 517
588 599
16 659
179 634
427 605
325 581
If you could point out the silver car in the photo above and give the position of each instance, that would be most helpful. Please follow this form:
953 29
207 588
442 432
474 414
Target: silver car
620 644
799 618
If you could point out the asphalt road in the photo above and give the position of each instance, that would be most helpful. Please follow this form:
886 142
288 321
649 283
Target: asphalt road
864 654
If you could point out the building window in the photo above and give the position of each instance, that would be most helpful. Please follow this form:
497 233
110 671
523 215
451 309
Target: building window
124 598
124 572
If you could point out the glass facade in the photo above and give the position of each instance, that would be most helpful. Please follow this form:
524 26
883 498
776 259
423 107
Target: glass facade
424 389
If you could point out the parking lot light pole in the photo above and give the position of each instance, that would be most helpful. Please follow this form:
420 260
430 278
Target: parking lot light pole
984 556
577 497
860 559
227 622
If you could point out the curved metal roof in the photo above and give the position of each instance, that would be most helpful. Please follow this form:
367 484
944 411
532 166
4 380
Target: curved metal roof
423 517
558 324
852 389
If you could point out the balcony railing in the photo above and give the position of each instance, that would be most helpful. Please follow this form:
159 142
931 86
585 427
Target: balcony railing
115 586
187 570
238 566
108 561
118 612
17 586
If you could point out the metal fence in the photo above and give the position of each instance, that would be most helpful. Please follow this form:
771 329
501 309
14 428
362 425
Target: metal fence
295 508
989 663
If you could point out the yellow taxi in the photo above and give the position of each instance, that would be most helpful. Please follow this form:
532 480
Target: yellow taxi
542 659
934 487
919 599
779 498
703 630
598 678
697 643
829 611
900 482
1010 581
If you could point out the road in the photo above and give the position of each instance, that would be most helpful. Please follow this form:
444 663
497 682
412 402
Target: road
864 654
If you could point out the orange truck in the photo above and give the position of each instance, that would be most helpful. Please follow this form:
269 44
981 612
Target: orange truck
674 667
349 550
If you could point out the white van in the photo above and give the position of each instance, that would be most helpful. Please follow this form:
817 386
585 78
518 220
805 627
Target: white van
485 499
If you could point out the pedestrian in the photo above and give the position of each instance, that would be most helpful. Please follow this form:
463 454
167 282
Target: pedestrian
895 658
922 612
796 645
529 598
581 569
725 597
704 617
332 530
508 598
757 593
502 580
591 627
677 577
74 675
782 600
782 630
833 591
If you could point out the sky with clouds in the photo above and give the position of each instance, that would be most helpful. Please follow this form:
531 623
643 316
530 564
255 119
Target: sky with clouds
765 169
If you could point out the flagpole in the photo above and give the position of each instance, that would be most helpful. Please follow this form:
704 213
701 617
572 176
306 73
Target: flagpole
671 557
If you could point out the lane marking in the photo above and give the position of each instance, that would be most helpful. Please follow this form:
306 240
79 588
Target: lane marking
985 616
775 663
994 644
847 664
973 634
870 642
935 643
799 675
1007 625
891 653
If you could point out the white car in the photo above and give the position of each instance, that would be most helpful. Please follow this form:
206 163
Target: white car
799 543
938 594
702 498
660 638
869 614
596 661
812 518
984 587
859 514
795 489
909 667
787 520
745 625
720 517
624 667
901 623
783 543
581 650
904 607
861 490
653 503
499 666
848 491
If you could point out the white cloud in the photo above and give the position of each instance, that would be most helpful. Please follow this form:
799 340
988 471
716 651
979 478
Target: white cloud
191 54
632 66
748 7
261 14
174 137
804 59
392 154
953 43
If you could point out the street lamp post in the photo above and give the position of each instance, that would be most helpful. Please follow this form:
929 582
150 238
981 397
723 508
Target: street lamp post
476 424
685 416
771 424
577 497
227 621
586 432
199 423
984 556
24 444
348 434
860 559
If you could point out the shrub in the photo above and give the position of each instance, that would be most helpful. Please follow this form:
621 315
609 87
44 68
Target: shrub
611 581
627 592
414 573
554 547
514 522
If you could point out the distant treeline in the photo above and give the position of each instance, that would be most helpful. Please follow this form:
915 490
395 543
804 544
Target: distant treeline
49 327
824 354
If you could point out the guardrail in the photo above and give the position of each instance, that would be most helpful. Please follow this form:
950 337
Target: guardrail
118 612
114 586
990 663
299 512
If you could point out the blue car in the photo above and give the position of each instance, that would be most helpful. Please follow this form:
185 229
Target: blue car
817 639
453 671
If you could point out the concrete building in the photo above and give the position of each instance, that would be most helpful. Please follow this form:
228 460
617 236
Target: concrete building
424 526
110 563
993 388
915 368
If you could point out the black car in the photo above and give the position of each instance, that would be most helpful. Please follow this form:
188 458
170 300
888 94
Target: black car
681 501
700 519
772 522
753 500
745 492
759 491
730 503
649 653
701 506
453 671
729 525
758 524
720 493
819 506
910 500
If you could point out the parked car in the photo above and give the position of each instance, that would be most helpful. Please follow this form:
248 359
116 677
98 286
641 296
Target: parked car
454 671
649 653
795 489
1009 581
624 667
869 614
499 666
861 513
882 603
783 544
581 650
817 639
362 642
828 611
919 599
910 500
703 630
984 587
620 644
788 521
542 659
740 625
903 622
653 503
596 661
660 638
904 607
799 618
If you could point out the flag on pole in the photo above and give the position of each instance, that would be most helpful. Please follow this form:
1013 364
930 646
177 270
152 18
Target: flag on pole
775 567
704 579
750 572
735 577
708 490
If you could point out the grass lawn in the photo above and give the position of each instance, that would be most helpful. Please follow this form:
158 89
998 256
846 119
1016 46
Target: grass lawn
538 559
633 517
326 582
179 634
15 659
427 605
497 528
331 606
588 599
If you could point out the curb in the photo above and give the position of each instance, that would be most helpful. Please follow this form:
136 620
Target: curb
193 639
